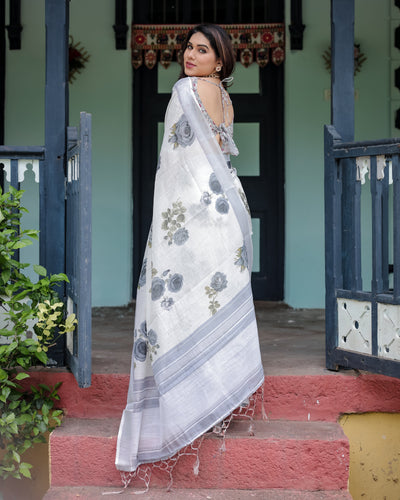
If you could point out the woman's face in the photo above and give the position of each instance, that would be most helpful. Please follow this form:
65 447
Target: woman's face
199 58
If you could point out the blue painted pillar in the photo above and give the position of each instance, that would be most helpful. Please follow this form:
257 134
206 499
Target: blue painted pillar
342 43
52 190
52 174
342 109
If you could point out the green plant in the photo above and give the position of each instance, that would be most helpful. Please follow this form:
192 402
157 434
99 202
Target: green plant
27 413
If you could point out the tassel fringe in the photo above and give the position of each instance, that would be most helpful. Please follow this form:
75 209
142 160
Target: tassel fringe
246 410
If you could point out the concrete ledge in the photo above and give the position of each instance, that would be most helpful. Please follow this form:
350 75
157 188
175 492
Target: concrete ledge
286 454
289 397
95 493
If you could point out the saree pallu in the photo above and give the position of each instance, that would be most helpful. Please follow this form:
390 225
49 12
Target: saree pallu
196 354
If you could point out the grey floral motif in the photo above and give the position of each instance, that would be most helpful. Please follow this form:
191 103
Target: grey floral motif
218 283
175 283
143 328
173 220
167 303
181 133
152 337
205 198
150 237
140 349
181 236
222 205
145 343
157 288
162 281
214 184
241 258
142 277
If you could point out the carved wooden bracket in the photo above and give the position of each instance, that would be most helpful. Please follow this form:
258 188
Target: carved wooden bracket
14 28
296 27
120 26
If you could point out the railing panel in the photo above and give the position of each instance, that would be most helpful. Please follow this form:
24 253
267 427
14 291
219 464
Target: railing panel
21 166
78 248
362 325
396 226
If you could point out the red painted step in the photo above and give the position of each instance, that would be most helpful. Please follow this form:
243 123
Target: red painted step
282 454
95 493
312 397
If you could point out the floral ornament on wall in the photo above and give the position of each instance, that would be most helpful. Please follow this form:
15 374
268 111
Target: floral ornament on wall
77 57
359 58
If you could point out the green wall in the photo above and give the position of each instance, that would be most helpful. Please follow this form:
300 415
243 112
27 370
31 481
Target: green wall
306 111
104 89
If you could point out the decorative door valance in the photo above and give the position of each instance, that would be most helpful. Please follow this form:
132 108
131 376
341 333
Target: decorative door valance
253 42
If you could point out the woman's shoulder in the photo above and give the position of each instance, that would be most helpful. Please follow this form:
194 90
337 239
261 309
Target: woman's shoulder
183 82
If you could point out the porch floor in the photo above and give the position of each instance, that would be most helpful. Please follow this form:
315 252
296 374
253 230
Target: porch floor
292 340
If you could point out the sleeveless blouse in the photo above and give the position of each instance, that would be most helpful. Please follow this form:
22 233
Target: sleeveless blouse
228 146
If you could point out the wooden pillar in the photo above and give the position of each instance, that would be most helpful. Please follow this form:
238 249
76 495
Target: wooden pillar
342 43
52 175
52 195
2 77
342 110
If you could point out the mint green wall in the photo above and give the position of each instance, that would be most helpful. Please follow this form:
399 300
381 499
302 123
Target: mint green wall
306 112
104 89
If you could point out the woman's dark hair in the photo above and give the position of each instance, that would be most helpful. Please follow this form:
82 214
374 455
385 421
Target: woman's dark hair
220 43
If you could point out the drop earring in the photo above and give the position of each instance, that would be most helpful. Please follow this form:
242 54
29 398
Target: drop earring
215 73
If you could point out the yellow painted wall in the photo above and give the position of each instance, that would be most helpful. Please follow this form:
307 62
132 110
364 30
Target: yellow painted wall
374 455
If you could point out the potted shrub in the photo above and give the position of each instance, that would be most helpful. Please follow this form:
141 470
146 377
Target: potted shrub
27 411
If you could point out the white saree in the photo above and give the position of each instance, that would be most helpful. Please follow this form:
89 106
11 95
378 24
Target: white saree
196 354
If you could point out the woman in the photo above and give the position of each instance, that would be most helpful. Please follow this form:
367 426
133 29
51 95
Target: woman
196 354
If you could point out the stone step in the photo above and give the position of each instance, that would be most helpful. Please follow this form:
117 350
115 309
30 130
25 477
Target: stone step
291 397
281 454
95 493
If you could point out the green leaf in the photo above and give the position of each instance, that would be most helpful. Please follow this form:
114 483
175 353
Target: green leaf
16 456
24 469
13 428
6 333
59 277
21 244
32 233
9 418
22 376
40 270
5 275
41 356
4 394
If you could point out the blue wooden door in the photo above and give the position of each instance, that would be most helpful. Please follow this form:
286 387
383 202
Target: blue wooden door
78 248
